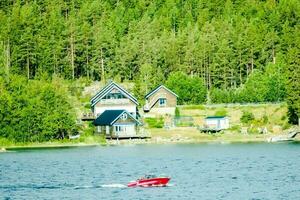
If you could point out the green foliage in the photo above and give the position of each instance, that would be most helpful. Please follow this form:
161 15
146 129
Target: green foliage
242 51
255 88
266 86
253 130
220 41
247 117
154 122
190 90
184 124
194 107
34 111
235 128
265 119
221 112
293 83
177 112
222 96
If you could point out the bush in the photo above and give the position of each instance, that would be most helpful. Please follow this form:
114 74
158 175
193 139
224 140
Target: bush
191 90
35 111
247 117
154 122
221 113
235 128
194 107
265 119
185 124
177 112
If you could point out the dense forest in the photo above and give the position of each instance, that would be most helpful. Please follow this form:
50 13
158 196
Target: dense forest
233 50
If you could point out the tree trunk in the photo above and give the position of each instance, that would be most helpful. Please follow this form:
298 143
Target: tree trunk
247 68
273 56
252 61
55 63
87 62
72 55
208 73
241 79
28 66
102 68
7 61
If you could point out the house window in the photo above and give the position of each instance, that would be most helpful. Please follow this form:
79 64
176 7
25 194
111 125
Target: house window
120 128
162 102
124 116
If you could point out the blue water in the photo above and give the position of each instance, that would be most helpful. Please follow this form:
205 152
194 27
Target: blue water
203 171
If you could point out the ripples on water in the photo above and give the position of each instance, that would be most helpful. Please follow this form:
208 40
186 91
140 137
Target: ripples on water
233 171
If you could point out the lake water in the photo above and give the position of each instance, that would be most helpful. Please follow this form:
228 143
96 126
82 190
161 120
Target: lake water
202 171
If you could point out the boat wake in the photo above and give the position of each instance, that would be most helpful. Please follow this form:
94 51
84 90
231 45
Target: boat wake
115 185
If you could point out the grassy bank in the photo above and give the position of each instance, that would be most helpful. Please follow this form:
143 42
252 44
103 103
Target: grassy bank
83 141
271 116
192 135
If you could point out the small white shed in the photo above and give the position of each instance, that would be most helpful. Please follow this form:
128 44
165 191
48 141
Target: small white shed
216 122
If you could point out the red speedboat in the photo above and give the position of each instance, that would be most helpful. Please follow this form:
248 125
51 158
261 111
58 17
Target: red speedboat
149 181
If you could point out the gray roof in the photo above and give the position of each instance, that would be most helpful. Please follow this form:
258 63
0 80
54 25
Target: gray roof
109 117
97 97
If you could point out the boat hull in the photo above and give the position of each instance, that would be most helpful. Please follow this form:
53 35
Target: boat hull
152 182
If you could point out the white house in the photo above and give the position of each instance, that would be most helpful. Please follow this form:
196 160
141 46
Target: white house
116 124
216 122
116 111
113 97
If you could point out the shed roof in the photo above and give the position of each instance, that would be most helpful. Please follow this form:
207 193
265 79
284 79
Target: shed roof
109 117
157 88
215 117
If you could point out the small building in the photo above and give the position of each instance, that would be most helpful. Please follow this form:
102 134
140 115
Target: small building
215 123
117 124
161 100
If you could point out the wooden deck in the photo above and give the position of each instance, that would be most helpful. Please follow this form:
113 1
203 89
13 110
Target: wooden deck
87 117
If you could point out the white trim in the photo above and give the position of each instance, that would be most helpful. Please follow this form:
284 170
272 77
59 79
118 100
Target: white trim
112 123
150 94
102 90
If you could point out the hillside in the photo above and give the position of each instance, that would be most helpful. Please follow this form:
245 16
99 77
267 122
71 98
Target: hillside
227 45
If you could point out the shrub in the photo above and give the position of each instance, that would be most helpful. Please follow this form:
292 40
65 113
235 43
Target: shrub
154 122
191 90
177 112
247 117
35 111
221 112
265 119
235 128
194 107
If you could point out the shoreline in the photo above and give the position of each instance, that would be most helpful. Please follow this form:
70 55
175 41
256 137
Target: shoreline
138 142
158 136
46 146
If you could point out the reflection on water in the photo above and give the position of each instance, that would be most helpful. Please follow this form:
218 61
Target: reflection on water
230 171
